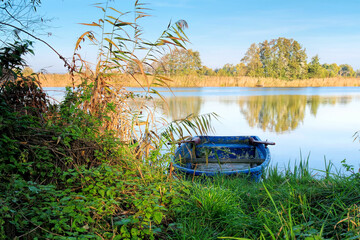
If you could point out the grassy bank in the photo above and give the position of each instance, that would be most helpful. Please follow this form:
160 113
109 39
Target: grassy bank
62 80
293 204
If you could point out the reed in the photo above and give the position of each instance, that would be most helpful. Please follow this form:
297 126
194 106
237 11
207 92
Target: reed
63 80
57 80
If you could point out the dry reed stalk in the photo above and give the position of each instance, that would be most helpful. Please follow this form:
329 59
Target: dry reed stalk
63 80
57 80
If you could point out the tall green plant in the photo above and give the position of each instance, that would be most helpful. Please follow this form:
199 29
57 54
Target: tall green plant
122 50
120 46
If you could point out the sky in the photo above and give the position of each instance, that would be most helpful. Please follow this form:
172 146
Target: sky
221 30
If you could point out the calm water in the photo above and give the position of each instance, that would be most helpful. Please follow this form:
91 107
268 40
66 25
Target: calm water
319 122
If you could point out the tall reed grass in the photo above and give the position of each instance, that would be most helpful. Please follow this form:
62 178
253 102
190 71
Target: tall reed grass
62 80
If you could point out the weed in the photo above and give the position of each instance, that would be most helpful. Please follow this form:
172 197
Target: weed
289 204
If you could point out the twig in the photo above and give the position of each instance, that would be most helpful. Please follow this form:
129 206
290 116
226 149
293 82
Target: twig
12 16
70 68
38 226
28 232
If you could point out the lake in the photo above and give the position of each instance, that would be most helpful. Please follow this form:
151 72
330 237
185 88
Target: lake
315 122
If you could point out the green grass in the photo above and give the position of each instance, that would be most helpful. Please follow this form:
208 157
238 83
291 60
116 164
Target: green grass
290 204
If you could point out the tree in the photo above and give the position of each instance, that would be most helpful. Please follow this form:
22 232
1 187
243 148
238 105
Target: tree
346 71
240 69
231 70
358 73
289 59
281 53
180 62
297 61
332 70
279 58
315 68
204 70
227 70
266 59
17 16
253 61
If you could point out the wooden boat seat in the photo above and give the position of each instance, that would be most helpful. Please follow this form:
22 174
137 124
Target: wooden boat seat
224 145
228 160
215 167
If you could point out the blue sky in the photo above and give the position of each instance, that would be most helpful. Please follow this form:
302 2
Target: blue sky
221 31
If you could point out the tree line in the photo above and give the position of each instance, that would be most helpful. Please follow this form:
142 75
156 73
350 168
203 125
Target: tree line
280 58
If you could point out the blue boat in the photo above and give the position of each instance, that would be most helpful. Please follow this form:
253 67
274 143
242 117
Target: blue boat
211 155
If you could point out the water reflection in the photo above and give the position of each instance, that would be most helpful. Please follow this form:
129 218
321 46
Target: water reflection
180 107
314 102
273 113
283 113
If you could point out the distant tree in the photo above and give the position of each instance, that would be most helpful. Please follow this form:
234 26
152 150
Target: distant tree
180 62
221 72
207 71
227 70
281 54
297 61
279 58
285 58
346 71
332 70
240 69
289 59
253 61
315 68
232 70
358 73
267 59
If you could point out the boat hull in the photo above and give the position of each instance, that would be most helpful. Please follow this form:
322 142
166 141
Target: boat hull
224 155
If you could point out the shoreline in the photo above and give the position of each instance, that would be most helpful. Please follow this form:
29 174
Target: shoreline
64 80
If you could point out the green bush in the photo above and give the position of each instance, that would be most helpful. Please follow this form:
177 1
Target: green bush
62 178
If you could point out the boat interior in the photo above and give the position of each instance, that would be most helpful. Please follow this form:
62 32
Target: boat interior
220 157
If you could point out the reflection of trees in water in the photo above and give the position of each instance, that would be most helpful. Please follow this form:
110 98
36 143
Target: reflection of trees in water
314 102
275 113
278 113
283 112
180 107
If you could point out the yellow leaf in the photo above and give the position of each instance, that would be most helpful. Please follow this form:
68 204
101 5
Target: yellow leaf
91 24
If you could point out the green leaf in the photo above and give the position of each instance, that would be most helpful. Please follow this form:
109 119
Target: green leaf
124 221
158 216
102 192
